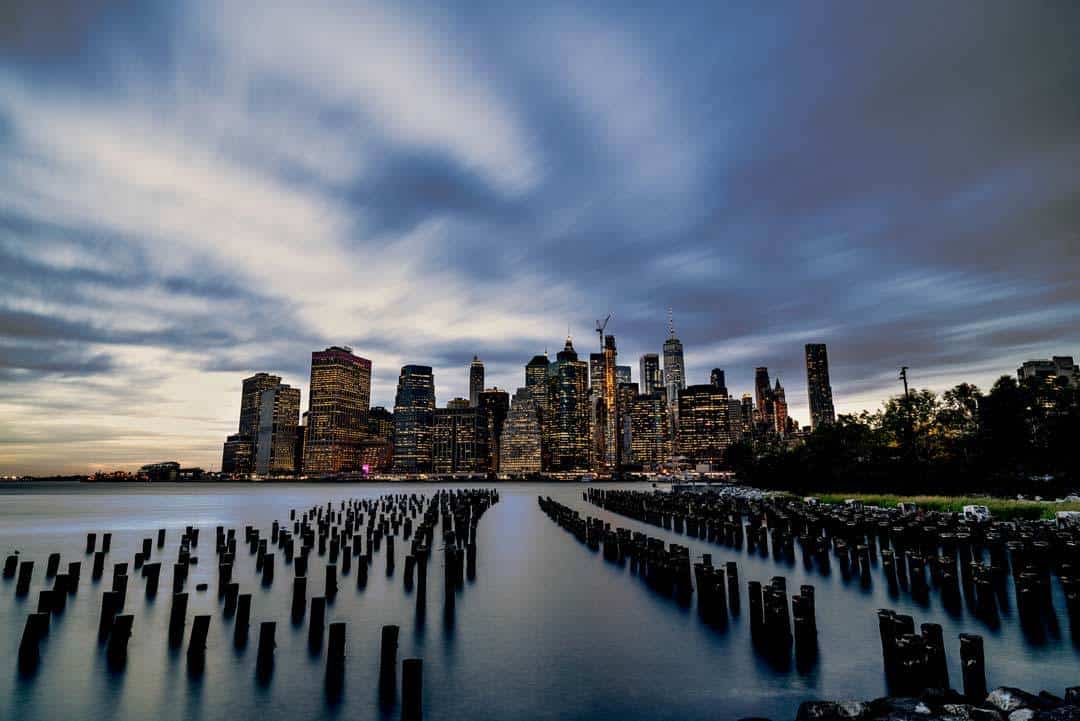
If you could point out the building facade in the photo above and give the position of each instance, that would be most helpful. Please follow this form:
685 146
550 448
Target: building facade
674 370
1060 366
414 407
568 391
818 386
460 440
338 400
476 381
520 451
704 435
279 418
650 436
651 378
238 456
496 404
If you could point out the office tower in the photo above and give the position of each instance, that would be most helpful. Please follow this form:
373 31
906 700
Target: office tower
716 377
298 448
735 419
651 378
460 440
596 374
674 368
338 401
1060 366
622 374
496 403
818 387
610 457
251 395
520 447
704 435
747 415
779 404
380 423
650 438
476 381
279 414
238 455
460 403
568 390
625 395
764 398
414 407
376 455
537 380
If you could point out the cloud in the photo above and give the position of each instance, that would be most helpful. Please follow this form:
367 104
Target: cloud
192 192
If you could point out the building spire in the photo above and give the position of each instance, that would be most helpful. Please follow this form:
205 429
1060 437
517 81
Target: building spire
670 322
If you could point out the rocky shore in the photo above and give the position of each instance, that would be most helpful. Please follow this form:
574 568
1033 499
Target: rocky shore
1002 704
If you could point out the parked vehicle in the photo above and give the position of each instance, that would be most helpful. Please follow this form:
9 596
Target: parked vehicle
1068 519
977 514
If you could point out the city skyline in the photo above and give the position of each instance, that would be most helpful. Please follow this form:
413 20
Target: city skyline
181 205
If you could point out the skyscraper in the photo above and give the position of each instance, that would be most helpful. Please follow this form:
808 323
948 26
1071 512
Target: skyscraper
763 396
569 379
496 403
476 381
338 401
649 436
818 387
626 394
716 377
238 454
279 415
622 374
414 407
520 451
460 440
704 434
651 378
538 383
609 393
674 368
779 404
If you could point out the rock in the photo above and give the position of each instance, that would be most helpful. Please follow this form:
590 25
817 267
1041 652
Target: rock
1024 714
1069 712
938 697
1009 699
831 711
1072 695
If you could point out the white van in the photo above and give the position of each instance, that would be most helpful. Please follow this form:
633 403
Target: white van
976 513
1068 519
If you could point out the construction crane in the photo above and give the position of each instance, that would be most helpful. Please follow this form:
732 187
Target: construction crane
600 327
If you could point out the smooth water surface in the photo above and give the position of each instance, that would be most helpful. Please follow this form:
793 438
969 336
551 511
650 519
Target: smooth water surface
547 630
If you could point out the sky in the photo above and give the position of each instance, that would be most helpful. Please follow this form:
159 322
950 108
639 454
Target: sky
194 191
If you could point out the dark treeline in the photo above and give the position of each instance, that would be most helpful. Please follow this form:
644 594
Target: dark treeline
1021 437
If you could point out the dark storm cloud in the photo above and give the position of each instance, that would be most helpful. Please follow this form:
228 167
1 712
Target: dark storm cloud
897 180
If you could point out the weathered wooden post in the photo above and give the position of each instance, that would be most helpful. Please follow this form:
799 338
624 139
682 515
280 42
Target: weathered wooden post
91 542
331 581
106 542
973 667
265 660
388 661
116 650
200 627
53 565
177 619
299 597
243 620
316 622
412 682
937 671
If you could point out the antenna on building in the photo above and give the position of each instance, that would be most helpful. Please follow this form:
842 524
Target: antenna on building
670 322
600 327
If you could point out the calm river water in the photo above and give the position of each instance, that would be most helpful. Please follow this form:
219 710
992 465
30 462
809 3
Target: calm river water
547 630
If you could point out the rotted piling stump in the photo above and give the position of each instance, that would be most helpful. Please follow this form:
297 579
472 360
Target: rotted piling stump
177 619
268 570
147 545
388 660
11 564
200 627
316 622
973 667
98 569
389 555
180 572
331 581
161 538
91 542
36 628
412 682
335 651
119 637
152 571
74 573
111 604
265 660
937 669
106 542
52 565
300 565
232 592
299 598
243 620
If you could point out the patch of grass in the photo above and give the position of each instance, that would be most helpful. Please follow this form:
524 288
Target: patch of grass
1001 509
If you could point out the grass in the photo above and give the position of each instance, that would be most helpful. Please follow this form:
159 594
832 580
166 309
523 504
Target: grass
1001 509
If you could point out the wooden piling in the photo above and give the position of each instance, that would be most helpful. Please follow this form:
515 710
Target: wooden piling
243 620
973 667
265 658
52 565
118 638
177 619
91 542
412 681
316 622
200 627
388 659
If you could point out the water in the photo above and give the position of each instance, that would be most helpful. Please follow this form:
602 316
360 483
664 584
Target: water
548 629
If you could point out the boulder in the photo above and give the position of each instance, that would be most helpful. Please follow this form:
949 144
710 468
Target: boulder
1008 699
1068 712
832 711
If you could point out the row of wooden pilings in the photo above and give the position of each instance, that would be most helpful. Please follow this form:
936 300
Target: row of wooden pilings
667 571
915 662
964 561
354 530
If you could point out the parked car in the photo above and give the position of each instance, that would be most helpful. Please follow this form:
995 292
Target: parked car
1068 519
976 513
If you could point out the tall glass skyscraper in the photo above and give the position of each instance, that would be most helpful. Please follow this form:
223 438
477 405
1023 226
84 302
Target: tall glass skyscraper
704 434
279 418
521 440
651 379
674 368
818 386
476 381
414 407
569 388
338 401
